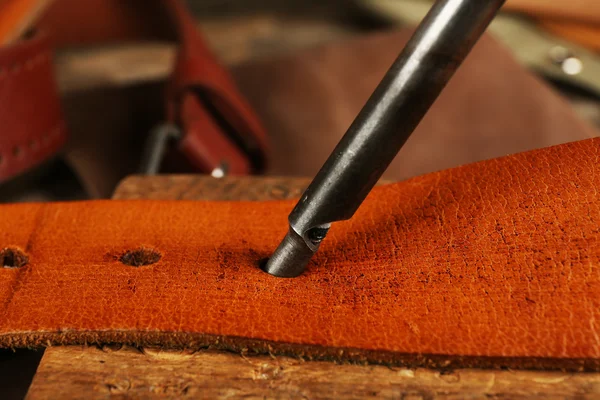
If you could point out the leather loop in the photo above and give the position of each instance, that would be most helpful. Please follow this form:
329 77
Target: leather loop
197 74
491 264
220 128
204 143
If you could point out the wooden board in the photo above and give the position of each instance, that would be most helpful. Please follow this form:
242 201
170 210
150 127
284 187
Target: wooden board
76 372
90 372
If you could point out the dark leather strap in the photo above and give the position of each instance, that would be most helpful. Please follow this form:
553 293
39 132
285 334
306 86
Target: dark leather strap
491 264
218 125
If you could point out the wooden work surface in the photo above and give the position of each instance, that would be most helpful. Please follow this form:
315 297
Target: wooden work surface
91 372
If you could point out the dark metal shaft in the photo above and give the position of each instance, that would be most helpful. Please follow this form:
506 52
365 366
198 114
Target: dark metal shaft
413 83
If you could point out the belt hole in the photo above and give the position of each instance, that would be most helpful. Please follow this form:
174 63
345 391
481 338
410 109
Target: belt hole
140 257
17 151
11 257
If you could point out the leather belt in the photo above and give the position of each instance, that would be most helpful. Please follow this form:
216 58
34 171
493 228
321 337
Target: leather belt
218 125
491 264
32 123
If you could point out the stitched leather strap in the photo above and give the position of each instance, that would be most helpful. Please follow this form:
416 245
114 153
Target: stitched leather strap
218 125
31 119
495 263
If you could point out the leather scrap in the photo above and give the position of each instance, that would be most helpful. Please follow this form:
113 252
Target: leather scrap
490 264
491 107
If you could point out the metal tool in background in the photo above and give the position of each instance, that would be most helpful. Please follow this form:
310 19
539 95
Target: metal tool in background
547 54
407 91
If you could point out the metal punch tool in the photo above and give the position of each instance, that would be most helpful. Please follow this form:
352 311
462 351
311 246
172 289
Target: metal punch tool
436 50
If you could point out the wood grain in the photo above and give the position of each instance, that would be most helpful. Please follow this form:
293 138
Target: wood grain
75 372
186 187
71 372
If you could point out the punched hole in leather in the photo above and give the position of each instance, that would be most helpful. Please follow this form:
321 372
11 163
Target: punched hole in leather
140 257
12 257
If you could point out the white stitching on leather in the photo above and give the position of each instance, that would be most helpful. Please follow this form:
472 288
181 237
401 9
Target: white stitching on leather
18 152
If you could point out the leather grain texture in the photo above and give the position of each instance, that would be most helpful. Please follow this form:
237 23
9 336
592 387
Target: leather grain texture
493 263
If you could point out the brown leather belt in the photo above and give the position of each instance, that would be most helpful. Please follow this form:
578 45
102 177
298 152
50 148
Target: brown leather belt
491 264
217 124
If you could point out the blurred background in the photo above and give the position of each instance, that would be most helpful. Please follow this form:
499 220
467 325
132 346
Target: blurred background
305 68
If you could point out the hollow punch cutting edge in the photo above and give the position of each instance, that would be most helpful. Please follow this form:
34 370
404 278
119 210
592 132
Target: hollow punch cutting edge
416 78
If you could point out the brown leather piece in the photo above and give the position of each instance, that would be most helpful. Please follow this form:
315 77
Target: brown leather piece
491 107
495 263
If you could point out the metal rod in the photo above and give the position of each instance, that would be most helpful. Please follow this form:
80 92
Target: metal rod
156 147
413 83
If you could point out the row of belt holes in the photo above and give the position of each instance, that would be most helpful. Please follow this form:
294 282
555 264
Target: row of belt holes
34 145
27 65
12 257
